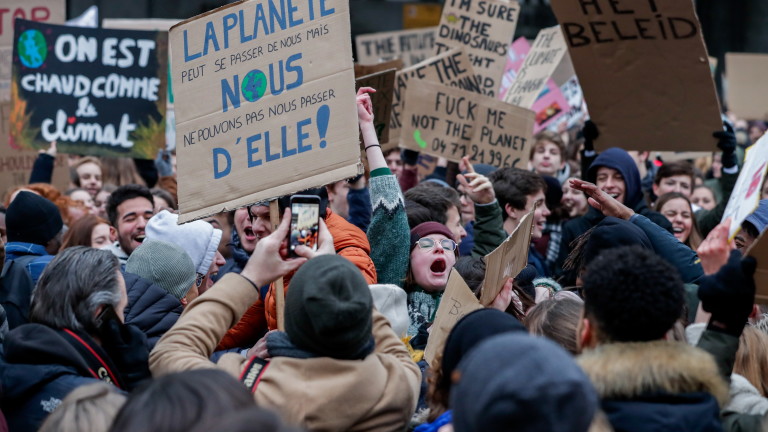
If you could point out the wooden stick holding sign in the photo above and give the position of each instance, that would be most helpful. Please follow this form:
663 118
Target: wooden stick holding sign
274 220
507 260
457 301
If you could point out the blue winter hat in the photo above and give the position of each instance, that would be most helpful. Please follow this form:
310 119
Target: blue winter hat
618 159
759 218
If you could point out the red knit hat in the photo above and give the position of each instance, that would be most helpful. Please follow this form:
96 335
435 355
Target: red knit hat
427 228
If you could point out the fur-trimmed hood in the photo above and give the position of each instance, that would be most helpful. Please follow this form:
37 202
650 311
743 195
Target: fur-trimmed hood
631 370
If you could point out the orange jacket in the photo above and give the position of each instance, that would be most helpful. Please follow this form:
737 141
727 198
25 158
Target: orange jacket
349 242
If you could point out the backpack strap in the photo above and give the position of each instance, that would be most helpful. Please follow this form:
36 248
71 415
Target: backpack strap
251 375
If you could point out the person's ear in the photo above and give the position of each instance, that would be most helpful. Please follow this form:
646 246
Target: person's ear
184 301
586 336
655 188
512 212
112 234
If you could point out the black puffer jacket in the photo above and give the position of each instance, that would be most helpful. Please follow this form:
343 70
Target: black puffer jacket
150 308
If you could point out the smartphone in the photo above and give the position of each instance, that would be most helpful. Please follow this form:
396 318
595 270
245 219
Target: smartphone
305 222
106 315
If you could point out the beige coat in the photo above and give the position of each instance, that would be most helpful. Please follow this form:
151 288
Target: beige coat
378 393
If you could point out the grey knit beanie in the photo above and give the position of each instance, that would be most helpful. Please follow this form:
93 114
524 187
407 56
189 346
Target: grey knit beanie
165 264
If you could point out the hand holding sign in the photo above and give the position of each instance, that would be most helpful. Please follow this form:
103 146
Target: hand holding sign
714 250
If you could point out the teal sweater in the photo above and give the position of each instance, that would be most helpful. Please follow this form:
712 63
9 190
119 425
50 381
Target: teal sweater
388 233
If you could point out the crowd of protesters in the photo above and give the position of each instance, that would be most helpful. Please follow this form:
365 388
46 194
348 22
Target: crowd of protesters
635 311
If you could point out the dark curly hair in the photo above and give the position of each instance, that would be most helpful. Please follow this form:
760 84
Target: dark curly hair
513 185
632 294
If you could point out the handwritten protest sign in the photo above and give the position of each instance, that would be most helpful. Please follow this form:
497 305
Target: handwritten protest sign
545 55
264 102
746 194
449 68
457 301
759 251
50 11
507 260
484 28
411 46
644 71
515 58
747 89
453 123
384 83
94 91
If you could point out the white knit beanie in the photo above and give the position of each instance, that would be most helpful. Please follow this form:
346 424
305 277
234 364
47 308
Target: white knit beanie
165 264
199 239
392 302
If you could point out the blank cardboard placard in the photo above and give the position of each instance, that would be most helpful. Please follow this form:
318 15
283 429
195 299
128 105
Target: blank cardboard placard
759 251
541 62
746 194
265 102
384 83
363 70
452 123
410 46
153 24
484 28
457 301
644 71
747 90
507 260
449 68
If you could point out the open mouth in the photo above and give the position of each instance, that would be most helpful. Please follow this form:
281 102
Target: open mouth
249 234
140 238
439 266
677 230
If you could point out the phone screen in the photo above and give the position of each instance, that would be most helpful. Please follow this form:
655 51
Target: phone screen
305 220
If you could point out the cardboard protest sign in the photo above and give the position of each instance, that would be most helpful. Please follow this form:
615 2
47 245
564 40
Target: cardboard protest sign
410 46
515 58
545 55
384 83
16 163
150 24
644 71
363 70
759 251
484 28
507 260
747 90
746 194
94 91
449 68
457 301
420 15
452 123
50 11
549 106
265 102
676 156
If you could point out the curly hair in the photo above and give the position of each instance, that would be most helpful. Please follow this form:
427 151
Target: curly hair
632 295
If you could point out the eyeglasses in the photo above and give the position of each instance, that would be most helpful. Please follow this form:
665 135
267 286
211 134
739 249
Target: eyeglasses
428 243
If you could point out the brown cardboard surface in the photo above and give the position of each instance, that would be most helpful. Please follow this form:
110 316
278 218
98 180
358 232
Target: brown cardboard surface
507 260
384 83
151 24
457 301
759 250
644 71
363 70
541 62
484 28
265 114
746 194
420 15
452 123
450 68
410 46
747 89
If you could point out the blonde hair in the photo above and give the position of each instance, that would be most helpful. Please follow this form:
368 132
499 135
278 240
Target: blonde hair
752 358
90 408
557 319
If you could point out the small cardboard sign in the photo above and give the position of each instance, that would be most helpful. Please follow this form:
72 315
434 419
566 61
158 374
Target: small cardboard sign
452 123
420 15
759 251
93 91
746 194
507 260
363 70
449 68
384 83
410 46
265 102
644 71
747 89
544 57
484 28
515 58
457 301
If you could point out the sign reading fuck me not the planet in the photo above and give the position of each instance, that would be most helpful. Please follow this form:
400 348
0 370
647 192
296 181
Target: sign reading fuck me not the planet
93 91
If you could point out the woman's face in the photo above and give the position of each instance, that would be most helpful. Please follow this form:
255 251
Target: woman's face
431 266
679 213
574 201
704 198
101 236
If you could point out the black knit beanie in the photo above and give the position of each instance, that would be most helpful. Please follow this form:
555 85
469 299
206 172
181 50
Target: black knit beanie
31 218
328 308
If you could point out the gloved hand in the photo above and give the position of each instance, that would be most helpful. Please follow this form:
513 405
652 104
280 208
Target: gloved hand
726 141
127 347
409 157
163 163
590 134
729 294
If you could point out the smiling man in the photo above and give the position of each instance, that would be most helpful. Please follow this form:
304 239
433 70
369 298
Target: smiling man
129 209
